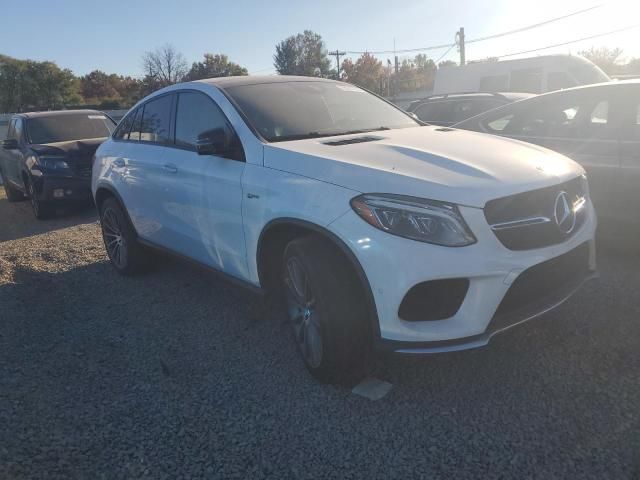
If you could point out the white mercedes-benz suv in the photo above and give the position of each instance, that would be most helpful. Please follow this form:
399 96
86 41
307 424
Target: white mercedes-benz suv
374 229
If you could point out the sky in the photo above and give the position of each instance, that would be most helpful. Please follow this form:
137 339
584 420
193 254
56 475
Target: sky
112 36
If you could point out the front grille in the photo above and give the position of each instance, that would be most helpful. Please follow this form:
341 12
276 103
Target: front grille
542 286
529 220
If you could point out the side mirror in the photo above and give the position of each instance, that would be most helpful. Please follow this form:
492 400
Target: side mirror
213 142
10 144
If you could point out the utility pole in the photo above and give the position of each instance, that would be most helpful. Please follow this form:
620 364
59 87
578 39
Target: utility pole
338 54
460 43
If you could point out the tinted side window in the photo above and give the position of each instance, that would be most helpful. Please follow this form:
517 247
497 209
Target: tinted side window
558 116
196 116
10 129
137 123
435 112
156 121
18 129
122 132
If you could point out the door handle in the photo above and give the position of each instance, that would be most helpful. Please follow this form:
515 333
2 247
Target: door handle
170 168
119 162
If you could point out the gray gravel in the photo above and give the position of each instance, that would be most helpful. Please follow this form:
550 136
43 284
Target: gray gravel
173 375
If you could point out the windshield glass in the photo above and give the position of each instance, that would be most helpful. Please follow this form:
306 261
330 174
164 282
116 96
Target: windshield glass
65 128
295 110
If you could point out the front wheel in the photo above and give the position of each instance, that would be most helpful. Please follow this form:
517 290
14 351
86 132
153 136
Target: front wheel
41 210
326 309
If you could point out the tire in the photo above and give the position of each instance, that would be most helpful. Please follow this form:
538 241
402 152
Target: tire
327 311
127 256
41 210
13 194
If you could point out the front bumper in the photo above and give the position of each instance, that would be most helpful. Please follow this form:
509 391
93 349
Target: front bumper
49 187
393 265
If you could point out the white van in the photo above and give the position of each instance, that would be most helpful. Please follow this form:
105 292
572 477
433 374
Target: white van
528 75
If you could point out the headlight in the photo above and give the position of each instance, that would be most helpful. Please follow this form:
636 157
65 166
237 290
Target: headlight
52 163
419 219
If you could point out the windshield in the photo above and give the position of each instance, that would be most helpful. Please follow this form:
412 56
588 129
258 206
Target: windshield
65 128
295 110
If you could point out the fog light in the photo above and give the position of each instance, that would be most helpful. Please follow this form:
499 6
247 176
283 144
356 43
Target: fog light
58 193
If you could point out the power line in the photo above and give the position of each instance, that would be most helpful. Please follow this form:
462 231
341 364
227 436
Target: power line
570 42
531 27
480 39
445 53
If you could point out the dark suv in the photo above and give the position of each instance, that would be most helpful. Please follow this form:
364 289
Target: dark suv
447 109
47 156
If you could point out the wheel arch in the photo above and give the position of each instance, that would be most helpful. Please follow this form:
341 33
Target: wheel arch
104 191
277 233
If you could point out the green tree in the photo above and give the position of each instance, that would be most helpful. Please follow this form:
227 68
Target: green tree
416 74
367 72
29 85
215 66
303 54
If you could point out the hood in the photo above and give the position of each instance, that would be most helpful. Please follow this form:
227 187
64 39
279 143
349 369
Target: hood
73 149
457 166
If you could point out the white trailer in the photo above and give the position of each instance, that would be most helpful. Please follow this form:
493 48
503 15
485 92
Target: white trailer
528 75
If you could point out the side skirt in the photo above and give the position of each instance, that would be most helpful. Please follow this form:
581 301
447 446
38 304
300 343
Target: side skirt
219 273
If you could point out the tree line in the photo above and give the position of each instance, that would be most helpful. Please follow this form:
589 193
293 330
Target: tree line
31 85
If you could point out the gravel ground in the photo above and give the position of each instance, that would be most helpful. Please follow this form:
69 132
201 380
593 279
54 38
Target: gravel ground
173 375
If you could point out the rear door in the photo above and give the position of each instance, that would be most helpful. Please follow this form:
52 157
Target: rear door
204 192
138 167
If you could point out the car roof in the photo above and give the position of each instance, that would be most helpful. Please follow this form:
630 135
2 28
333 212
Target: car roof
58 113
226 82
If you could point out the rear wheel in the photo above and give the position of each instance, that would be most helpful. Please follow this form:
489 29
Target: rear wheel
126 254
41 210
326 310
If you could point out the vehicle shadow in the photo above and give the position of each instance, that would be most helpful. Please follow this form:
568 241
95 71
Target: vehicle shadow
17 220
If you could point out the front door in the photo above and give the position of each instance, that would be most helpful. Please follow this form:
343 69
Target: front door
205 191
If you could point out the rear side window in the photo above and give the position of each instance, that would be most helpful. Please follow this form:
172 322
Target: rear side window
122 132
436 112
196 116
136 126
10 130
156 119
17 129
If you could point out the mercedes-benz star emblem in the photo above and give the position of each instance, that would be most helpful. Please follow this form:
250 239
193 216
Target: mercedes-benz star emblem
563 213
